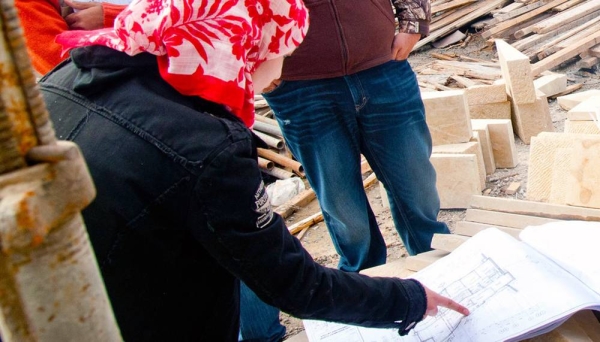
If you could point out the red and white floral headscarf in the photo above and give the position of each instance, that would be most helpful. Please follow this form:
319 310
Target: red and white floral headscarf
206 48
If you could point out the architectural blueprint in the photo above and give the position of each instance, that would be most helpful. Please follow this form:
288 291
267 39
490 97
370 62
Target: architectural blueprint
512 291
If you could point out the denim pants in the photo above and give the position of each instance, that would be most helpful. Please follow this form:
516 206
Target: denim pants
328 123
259 322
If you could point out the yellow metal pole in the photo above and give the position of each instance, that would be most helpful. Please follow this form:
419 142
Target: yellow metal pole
50 285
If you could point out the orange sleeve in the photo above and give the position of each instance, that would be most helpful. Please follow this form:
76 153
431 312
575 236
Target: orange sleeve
41 22
110 13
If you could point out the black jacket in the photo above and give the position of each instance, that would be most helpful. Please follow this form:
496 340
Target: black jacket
181 211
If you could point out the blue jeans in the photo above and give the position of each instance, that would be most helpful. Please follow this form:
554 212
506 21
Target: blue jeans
378 112
259 322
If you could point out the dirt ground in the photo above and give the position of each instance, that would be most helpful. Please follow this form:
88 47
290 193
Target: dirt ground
317 241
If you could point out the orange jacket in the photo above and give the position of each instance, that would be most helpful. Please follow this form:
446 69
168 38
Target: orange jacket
42 22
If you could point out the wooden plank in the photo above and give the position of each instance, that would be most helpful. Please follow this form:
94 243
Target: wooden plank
447 242
460 18
564 54
505 219
550 43
534 39
510 23
305 223
570 41
519 11
318 217
450 5
391 269
531 208
467 228
588 321
569 331
564 17
298 201
422 260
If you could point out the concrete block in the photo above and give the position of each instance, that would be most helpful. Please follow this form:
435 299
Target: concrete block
447 115
516 71
497 110
484 94
567 102
457 179
551 84
503 141
531 119
583 189
466 148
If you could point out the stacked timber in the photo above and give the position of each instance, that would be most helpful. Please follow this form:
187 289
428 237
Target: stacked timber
549 33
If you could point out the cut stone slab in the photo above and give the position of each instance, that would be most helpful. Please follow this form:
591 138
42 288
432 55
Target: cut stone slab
531 119
482 136
551 84
484 94
588 109
583 188
466 148
567 102
447 115
497 110
503 140
541 161
457 179
558 186
516 71
584 127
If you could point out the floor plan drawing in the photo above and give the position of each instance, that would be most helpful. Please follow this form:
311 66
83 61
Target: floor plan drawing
472 290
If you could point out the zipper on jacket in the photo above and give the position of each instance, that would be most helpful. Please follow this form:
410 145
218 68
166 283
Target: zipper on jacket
342 38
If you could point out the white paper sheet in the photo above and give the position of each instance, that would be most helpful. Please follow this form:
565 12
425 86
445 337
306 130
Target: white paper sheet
510 289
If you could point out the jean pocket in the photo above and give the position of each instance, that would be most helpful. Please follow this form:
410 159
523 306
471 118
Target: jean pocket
274 91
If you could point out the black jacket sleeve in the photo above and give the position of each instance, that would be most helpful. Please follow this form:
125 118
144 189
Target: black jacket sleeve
239 229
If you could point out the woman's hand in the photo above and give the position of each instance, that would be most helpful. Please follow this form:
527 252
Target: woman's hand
87 15
434 300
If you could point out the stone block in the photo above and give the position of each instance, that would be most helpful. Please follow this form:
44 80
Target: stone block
482 136
457 179
558 185
584 127
531 119
567 102
484 94
447 115
503 140
541 161
516 71
466 148
551 84
583 189
588 109
497 110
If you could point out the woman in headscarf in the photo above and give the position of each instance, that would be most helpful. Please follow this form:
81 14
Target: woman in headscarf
160 106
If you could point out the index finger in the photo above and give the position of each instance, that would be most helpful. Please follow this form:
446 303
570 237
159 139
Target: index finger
452 305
